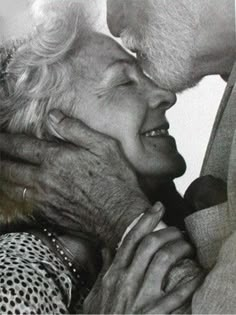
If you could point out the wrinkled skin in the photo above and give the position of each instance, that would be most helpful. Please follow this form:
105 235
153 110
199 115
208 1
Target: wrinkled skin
68 185
115 98
134 283
52 178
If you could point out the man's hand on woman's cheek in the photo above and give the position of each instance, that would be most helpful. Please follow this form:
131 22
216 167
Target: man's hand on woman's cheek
83 184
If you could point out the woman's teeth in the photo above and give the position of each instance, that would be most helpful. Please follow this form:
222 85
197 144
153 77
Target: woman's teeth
156 133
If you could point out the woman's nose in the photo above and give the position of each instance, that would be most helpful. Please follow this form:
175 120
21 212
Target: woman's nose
160 98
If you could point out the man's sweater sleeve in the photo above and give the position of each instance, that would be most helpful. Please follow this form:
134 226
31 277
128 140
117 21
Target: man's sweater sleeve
208 229
211 232
217 294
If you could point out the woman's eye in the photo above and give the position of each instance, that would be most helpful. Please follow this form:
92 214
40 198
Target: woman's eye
127 83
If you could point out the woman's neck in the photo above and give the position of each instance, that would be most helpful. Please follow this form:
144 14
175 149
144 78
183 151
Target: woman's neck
152 187
176 208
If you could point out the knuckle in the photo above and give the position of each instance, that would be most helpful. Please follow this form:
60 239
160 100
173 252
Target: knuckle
130 277
128 288
181 295
175 231
149 240
65 123
164 256
108 280
172 300
182 244
128 281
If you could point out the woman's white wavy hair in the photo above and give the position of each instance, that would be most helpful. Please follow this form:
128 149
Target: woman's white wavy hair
42 72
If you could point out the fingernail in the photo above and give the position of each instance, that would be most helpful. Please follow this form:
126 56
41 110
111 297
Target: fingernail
157 208
56 116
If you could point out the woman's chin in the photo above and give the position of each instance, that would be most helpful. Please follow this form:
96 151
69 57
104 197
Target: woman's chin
165 170
178 167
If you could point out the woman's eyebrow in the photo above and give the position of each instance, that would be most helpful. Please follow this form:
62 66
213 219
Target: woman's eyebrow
103 88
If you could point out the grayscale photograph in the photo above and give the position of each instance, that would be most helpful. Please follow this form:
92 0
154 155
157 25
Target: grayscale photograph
117 157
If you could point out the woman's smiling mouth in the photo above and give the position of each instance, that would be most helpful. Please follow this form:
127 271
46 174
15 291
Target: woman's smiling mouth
157 131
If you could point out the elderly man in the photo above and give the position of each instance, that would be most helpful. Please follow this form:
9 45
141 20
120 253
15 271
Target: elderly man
178 44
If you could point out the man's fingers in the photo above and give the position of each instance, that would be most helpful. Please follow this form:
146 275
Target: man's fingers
145 225
23 147
149 246
17 193
175 299
21 174
164 259
72 130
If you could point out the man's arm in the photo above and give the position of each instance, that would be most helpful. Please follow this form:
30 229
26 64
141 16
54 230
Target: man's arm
210 230
217 294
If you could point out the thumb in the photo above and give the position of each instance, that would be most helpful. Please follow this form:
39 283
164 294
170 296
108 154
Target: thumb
71 130
161 225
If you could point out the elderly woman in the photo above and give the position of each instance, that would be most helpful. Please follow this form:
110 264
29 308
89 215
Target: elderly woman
87 75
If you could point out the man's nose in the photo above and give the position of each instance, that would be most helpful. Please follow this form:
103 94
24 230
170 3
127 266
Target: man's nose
160 98
115 16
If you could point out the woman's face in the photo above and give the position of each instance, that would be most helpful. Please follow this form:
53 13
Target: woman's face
117 99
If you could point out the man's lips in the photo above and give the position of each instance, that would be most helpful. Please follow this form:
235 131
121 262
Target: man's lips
157 131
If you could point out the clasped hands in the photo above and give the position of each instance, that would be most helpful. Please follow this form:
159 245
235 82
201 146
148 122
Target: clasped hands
134 281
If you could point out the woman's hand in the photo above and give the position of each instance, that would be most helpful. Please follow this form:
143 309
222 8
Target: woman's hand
85 185
135 281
